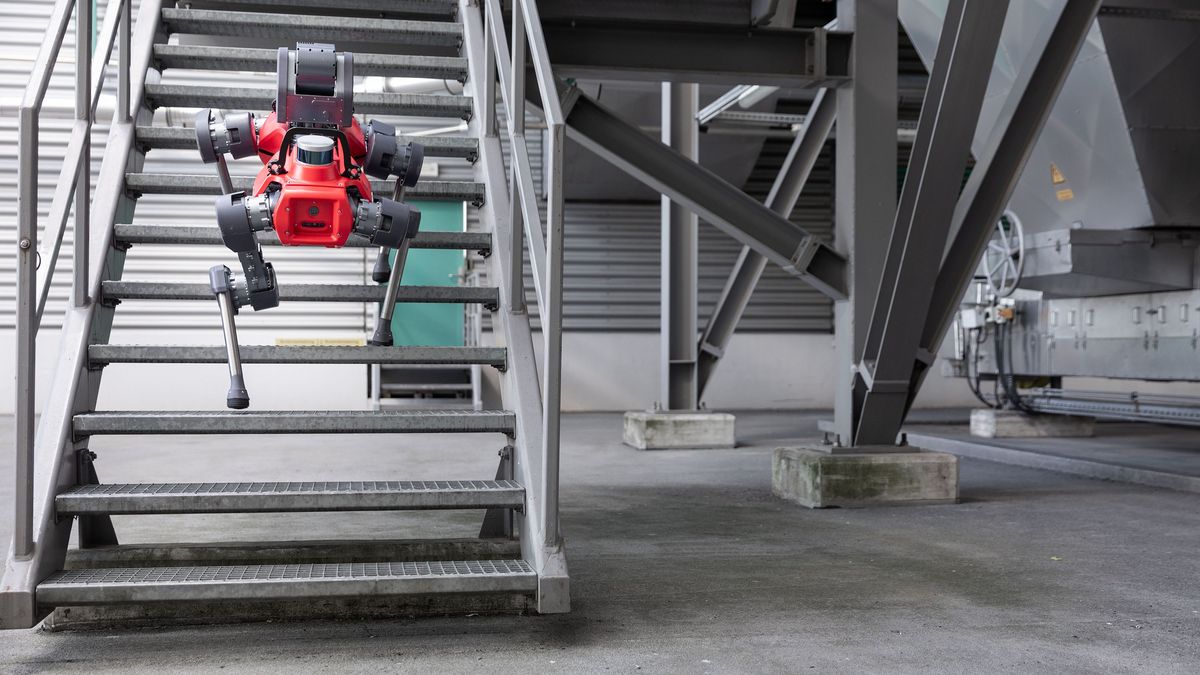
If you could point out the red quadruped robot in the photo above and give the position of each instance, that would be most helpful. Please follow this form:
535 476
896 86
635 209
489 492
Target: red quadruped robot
313 190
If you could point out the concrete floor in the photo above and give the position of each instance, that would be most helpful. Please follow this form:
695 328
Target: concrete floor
682 561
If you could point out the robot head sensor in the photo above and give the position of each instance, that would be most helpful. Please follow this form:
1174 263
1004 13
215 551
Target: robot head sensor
315 86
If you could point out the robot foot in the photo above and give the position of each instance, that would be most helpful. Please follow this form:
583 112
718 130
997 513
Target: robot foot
383 334
237 398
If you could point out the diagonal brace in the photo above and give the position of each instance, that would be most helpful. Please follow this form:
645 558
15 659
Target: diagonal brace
949 116
709 196
748 269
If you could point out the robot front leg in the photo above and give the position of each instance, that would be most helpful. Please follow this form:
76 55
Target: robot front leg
235 217
389 224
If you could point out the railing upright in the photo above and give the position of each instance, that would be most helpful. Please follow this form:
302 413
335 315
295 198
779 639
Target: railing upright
74 184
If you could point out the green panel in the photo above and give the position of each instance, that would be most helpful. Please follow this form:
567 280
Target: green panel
432 324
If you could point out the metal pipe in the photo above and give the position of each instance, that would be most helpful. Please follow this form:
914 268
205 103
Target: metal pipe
123 74
551 316
83 184
516 136
26 325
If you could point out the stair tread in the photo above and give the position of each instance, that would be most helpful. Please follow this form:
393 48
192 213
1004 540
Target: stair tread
258 98
210 184
184 138
294 422
262 497
315 28
235 582
444 9
401 355
158 290
207 234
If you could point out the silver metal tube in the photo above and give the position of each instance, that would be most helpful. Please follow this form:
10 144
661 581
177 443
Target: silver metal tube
26 333
547 85
489 69
83 184
223 175
229 330
123 74
393 286
516 134
551 316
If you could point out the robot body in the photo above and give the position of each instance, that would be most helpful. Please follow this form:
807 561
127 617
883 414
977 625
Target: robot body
313 189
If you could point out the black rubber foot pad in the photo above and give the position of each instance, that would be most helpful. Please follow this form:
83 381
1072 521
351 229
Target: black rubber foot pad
237 403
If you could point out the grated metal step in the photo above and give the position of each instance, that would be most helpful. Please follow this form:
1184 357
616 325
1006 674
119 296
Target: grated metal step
178 235
159 290
205 184
488 356
294 422
392 32
163 498
262 582
184 138
428 9
257 99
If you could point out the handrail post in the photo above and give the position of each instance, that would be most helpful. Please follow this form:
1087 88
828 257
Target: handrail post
551 316
26 333
516 126
83 113
123 75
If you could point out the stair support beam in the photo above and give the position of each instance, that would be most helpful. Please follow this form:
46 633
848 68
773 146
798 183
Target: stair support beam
725 206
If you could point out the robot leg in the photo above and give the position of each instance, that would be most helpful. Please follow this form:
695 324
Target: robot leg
390 224
258 289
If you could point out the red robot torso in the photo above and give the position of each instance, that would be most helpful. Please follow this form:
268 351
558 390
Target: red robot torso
314 208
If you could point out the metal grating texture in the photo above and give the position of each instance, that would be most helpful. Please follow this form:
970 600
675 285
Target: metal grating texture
121 353
161 498
247 582
295 422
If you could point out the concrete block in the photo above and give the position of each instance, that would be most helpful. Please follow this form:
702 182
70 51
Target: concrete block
992 423
817 479
659 430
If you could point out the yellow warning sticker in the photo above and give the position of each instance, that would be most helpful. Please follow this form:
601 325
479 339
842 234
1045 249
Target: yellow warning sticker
1056 176
1065 195
319 342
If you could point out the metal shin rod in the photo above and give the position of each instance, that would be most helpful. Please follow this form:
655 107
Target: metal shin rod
223 175
383 328
237 398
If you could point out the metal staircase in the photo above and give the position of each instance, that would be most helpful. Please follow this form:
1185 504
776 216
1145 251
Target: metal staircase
56 480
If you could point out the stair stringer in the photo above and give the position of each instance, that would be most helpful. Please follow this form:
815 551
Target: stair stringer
74 386
519 386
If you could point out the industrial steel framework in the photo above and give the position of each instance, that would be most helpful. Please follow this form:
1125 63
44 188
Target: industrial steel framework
896 269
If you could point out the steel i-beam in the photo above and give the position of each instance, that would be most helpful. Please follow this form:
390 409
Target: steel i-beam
949 115
680 251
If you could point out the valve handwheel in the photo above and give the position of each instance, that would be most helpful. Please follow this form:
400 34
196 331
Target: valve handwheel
1004 260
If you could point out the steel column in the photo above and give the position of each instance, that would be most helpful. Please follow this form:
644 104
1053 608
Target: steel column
709 196
680 251
949 115
865 185
996 173
748 269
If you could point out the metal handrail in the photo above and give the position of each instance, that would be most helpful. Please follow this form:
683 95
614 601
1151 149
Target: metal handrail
545 246
74 184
